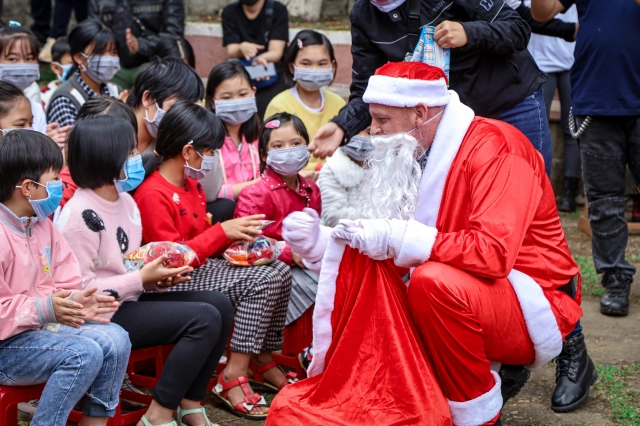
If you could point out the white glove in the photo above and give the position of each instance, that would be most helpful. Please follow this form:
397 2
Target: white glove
304 234
380 239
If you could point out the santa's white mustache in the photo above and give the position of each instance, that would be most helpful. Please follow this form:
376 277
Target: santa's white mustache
390 187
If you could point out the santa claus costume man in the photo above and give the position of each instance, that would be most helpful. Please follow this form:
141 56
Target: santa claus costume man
464 203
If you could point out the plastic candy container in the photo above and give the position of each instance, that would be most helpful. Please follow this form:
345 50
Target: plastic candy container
178 255
262 251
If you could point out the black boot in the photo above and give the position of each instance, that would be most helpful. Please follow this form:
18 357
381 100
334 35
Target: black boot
615 301
567 202
575 373
513 379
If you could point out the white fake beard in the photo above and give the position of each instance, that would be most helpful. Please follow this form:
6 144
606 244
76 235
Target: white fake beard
390 186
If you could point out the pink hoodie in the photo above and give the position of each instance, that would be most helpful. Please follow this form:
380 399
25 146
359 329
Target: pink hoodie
238 166
35 263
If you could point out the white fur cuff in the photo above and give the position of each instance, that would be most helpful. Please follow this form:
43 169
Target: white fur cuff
416 245
479 410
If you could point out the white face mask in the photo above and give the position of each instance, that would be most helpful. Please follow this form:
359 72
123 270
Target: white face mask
101 68
5 132
207 164
386 6
288 161
312 79
425 123
22 75
236 111
152 125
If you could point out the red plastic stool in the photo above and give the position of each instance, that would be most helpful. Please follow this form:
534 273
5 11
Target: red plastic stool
11 396
297 336
155 354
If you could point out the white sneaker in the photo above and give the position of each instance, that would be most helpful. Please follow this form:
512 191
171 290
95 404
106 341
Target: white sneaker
45 53
26 410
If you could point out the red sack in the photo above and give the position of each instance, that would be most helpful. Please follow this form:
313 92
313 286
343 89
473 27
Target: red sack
375 370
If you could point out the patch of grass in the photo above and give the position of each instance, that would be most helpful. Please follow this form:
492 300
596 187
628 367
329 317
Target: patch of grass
590 279
633 258
611 381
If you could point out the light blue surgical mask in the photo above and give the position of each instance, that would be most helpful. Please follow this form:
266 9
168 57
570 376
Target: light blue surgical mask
66 69
134 174
46 206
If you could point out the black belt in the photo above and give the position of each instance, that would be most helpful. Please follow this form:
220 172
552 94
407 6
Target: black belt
569 288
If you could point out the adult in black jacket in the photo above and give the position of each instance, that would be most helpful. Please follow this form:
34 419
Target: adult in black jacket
490 69
139 26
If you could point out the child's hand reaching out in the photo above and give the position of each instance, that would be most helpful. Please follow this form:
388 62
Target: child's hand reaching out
243 228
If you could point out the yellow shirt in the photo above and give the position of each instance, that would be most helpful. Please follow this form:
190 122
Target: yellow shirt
287 102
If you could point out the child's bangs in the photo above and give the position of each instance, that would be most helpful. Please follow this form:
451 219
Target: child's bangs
104 42
26 44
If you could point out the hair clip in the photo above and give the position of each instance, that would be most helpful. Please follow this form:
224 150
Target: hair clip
14 24
190 142
273 124
156 153
300 45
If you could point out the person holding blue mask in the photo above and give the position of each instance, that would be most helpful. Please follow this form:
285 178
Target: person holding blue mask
61 66
102 224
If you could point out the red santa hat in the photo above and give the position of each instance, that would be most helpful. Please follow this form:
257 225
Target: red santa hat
407 84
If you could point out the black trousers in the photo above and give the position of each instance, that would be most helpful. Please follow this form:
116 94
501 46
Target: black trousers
41 13
607 146
221 210
198 323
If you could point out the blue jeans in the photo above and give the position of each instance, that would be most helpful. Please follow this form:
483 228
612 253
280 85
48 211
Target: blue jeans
530 117
91 360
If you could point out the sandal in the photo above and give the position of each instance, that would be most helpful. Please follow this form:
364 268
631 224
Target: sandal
258 376
182 413
148 423
243 408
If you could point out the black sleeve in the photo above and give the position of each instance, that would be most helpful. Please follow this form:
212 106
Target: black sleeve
567 4
94 10
172 24
280 28
367 58
230 33
553 28
495 29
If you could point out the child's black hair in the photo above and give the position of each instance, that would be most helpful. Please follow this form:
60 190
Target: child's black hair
165 78
175 47
97 149
26 154
265 133
183 123
223 71
91 32
60 48
306 38
108 106
10 94
10 35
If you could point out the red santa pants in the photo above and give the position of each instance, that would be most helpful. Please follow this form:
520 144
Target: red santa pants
464 322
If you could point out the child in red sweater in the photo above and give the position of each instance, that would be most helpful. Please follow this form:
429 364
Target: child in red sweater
173 208
283 151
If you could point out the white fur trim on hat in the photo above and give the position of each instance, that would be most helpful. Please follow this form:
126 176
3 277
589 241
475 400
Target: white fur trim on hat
479 410
404 92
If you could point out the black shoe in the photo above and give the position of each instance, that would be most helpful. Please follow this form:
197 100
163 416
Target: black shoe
567 202
575 373
513 379
615 301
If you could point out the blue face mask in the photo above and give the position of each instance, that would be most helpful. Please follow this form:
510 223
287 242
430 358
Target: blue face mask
46 206
65 71
134 174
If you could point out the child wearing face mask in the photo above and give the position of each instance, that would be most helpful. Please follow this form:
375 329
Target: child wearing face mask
94 52
97 106
231 95
340 177
61 65
102 222
172 207
282 191
15 109
310 63
52 330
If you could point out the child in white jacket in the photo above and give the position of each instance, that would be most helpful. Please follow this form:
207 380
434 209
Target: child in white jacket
340 177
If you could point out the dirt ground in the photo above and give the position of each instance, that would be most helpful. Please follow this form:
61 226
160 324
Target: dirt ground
610 342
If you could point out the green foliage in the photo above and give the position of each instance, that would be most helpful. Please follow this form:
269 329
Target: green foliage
623 400
590 279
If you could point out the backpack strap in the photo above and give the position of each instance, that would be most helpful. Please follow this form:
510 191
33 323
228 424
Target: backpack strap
413 26
268 13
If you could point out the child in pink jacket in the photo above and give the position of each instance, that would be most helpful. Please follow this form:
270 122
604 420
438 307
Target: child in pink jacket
50 328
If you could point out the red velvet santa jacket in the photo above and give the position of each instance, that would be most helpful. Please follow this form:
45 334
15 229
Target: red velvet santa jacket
171 213
273 198
498 213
